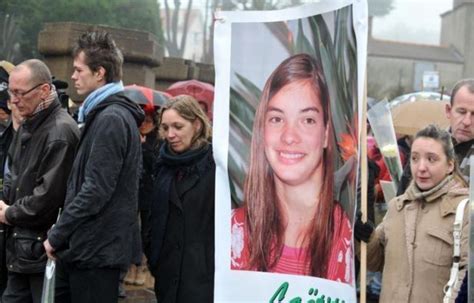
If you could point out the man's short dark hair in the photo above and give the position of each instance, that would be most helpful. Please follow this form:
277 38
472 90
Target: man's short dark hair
469 83
100 50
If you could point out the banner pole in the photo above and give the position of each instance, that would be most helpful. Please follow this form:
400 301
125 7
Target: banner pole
470 269
363 194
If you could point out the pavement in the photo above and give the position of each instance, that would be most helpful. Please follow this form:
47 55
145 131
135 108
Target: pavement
140 294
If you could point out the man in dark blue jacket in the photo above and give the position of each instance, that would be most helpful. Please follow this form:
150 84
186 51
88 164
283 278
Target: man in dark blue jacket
92 237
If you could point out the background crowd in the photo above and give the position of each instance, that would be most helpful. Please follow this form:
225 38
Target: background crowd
95 180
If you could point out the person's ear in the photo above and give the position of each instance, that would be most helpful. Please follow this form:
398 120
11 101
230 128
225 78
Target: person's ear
45 90
450 167
197 125
447 110
100 74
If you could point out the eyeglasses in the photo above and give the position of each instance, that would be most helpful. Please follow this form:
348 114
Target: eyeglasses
19 95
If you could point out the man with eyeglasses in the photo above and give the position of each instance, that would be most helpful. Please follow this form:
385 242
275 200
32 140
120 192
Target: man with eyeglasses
40 159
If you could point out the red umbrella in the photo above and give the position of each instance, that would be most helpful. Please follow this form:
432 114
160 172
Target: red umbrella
201 91
149 98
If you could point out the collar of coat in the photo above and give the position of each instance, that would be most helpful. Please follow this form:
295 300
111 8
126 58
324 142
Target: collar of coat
450 190
34 121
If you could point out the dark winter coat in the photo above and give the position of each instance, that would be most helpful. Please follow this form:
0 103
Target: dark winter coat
150 151
100 210
41 156
184 270
5 140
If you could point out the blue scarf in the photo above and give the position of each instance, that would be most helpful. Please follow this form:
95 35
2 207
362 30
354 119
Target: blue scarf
98 96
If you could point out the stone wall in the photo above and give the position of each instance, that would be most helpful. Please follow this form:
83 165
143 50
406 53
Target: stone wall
392 77
144 61
178 69
449 75
457 30
140 49
388 77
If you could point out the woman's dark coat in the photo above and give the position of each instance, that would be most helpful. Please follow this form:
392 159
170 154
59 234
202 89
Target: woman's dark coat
184 270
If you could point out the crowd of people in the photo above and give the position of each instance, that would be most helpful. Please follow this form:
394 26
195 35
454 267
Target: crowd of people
130 186
73 191
414 245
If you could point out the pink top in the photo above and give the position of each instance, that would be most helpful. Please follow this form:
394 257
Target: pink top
292 260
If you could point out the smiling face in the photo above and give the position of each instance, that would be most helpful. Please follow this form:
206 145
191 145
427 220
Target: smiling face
429 163
295 134
177 131
86 80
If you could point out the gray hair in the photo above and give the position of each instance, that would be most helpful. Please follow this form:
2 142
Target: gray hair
40 72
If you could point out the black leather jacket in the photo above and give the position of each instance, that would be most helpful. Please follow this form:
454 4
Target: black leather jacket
42 154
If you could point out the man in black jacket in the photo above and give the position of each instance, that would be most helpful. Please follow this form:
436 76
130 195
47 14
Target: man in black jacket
6 135
41 156
92 238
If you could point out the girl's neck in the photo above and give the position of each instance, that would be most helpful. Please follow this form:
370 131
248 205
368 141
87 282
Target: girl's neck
300 199
298 205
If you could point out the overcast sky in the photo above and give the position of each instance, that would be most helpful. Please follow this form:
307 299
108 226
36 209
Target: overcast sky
415 21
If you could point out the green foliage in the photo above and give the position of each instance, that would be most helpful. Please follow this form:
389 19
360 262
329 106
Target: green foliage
31 14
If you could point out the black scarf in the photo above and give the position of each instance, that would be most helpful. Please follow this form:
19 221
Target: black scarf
169 167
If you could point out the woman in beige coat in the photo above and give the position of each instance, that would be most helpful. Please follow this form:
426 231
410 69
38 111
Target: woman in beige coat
414 243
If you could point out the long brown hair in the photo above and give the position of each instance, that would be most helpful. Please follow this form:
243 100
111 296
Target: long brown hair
264 221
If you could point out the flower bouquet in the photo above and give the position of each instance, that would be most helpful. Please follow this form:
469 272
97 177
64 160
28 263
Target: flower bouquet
380 120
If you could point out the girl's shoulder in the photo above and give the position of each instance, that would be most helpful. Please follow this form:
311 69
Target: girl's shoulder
339 214
340 267
238 215
342 224
239 253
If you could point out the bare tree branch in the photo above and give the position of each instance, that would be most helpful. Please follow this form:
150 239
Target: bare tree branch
182 46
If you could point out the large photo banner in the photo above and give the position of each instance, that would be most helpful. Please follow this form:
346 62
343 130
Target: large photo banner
289 87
